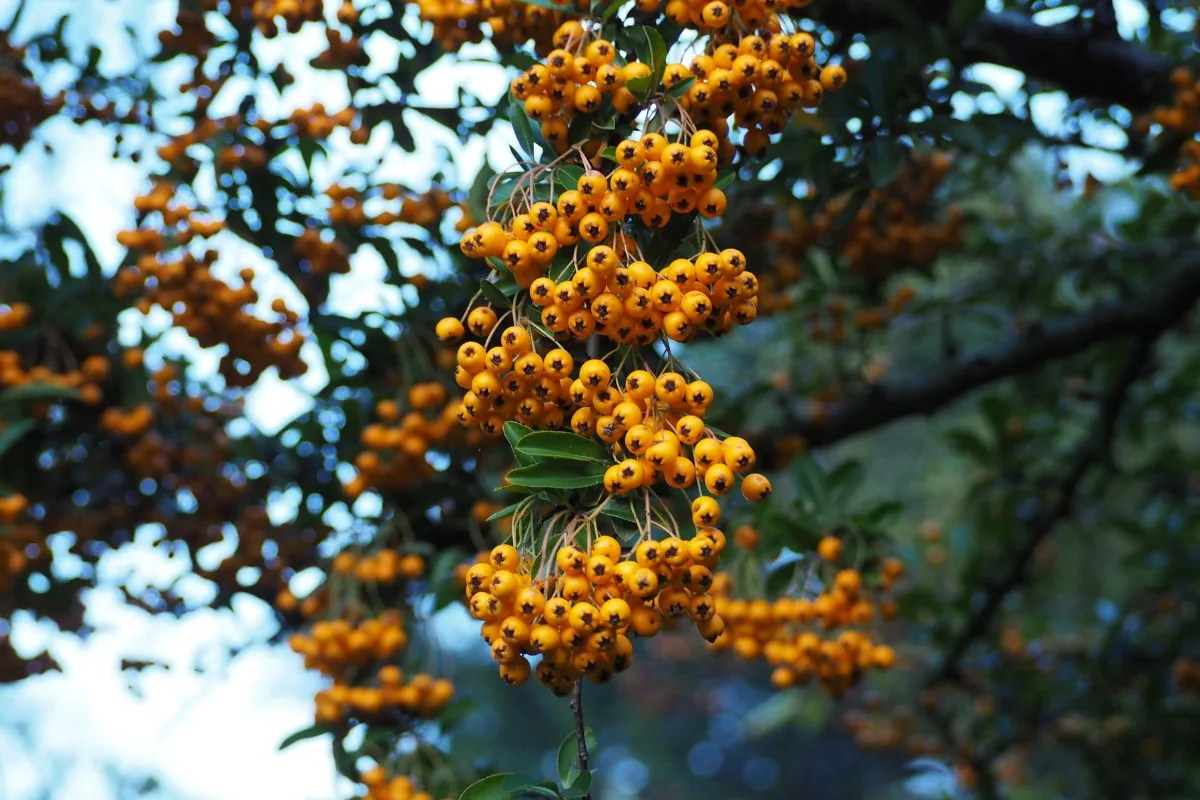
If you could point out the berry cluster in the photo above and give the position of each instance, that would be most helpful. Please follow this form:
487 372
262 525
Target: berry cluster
794 634
214 312
360 655
509 22
1182 118
757 81
395 447
577 281
579 616
397 787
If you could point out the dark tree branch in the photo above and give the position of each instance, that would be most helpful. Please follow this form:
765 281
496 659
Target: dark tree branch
580 734
1094 64
1094 450
1146 315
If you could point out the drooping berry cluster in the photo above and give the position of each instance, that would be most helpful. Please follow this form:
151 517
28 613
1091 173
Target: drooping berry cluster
580 615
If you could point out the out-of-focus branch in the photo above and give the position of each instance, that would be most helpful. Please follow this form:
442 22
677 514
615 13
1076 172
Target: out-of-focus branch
1093 451
1085 61
1145 316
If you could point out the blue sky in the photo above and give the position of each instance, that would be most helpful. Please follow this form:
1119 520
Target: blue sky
213 736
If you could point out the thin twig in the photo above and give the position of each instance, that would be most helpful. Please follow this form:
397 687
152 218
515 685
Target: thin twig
580 736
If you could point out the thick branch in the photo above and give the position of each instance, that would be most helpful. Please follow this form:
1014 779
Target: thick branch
1095 449
1086 62
1147 315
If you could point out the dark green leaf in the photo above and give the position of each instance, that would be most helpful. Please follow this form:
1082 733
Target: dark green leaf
13 432
620 512
513 431
494 295
568 176
454 712
879 515
846 477
969 443
557 474
884 156
964 12
308 733
522 128
529 784
680 89
613 7
960 131
447 592
478 193
507 511
38 391
568 755
726 179
521 59
580 786
347 765
568 758
561 444
811 481
640 86
651 50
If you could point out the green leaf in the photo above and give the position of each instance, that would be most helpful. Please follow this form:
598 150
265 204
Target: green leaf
521 59
13 432
811 481
557 474
561 444
884 156
823 267
680 89
454 712
610 153
880 515
522 128
513 432
580 786
568 176
506 184
489 788
640 86
308 733
845 479
493 294
568 758
346 763
613 7
524 785
725 179
478 193
962 132
38 391
964 12
507 511
970 444
446 593
620 512
651 50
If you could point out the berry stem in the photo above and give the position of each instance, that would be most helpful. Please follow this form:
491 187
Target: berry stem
580 738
